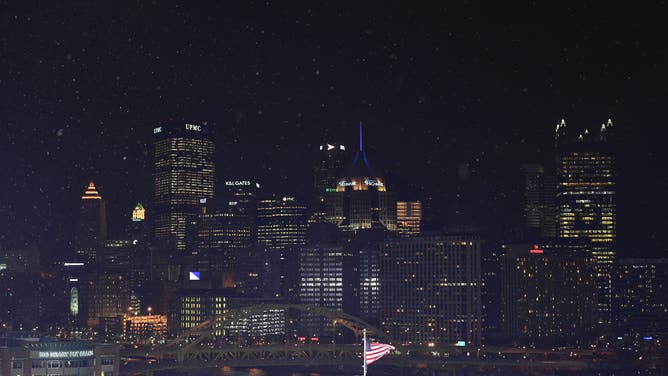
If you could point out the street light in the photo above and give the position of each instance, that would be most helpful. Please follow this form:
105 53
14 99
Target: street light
149 310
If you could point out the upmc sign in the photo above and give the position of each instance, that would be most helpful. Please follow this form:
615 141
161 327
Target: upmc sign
193 127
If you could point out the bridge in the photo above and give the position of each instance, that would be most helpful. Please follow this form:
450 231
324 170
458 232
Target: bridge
212 345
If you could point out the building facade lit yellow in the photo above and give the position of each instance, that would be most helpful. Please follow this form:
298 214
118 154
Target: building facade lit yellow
586 201
184 174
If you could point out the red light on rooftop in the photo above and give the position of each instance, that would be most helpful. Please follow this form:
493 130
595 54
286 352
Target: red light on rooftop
536 250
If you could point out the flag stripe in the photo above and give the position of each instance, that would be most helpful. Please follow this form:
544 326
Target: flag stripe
375 351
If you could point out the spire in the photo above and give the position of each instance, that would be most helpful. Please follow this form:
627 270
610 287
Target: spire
561 124
361 148
364 169
606 128
91 193
560 132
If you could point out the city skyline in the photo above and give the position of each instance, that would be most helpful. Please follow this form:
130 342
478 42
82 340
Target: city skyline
438 109
220 185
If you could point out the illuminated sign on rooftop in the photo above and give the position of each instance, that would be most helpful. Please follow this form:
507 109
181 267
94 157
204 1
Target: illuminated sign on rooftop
536 250
193 127
234 183
374 183
344 183
65 354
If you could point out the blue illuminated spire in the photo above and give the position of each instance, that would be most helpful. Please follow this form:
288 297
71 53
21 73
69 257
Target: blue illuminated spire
361 136
361 171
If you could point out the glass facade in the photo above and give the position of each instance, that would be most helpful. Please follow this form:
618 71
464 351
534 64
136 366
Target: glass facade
586 202
184 175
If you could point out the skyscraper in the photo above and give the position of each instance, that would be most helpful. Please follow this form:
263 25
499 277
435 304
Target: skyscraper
226 235
587 210
184 174
91 230
361 199
327 171
547 294
281 231
538 203
640 303
327 279
430 289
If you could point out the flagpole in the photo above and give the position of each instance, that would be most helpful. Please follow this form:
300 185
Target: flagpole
364 352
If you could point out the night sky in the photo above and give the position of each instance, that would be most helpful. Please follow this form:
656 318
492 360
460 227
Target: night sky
453 97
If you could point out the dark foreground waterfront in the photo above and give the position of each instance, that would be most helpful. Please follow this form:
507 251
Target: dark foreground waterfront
395 371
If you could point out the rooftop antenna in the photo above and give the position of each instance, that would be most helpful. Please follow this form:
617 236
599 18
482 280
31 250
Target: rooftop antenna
360 136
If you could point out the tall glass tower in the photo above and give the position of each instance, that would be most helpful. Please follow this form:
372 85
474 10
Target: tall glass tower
184 174
586 203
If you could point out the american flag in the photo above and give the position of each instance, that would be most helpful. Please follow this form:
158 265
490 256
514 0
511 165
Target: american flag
375 351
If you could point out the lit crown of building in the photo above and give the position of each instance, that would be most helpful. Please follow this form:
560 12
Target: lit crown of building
139 213
360 176
91 193
562 138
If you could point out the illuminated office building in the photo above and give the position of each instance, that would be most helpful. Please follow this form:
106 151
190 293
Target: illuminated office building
586 203
226 236
360 200
281 231
640 308
109 298
409 218
199 305
430 290
184 174
328 277
548 294
144 329
328 169
329 166
365 245
281 223
91 229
